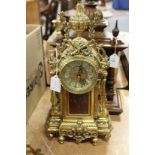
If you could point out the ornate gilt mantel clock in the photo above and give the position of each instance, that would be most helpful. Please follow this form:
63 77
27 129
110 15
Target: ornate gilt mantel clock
79 110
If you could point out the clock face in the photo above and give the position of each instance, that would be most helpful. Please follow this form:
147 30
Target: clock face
78 76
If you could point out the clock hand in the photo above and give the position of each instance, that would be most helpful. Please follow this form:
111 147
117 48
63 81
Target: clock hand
79 75
80 70
80 80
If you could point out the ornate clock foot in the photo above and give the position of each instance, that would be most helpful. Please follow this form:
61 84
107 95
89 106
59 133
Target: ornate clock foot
78 142
107 136
61 139
51 135
94 140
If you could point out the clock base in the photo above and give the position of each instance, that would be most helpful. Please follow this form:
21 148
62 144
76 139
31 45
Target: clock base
115 106
79 129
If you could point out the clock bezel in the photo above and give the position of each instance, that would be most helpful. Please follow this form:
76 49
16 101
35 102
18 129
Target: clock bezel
91 61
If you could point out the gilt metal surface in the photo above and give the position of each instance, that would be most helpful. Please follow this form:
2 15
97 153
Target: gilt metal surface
79 60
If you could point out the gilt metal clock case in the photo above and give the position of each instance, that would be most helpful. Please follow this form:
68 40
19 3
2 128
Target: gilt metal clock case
79 110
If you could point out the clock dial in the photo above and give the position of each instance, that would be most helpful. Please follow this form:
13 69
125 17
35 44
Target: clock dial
78 76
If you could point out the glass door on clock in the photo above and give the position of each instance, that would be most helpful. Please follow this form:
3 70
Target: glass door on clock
79 104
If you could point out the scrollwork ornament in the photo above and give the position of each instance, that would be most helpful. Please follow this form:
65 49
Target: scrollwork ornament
62 17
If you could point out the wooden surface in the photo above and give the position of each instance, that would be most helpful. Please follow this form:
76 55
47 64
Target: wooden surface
49 12
120 77
115 106
67 4
32 12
